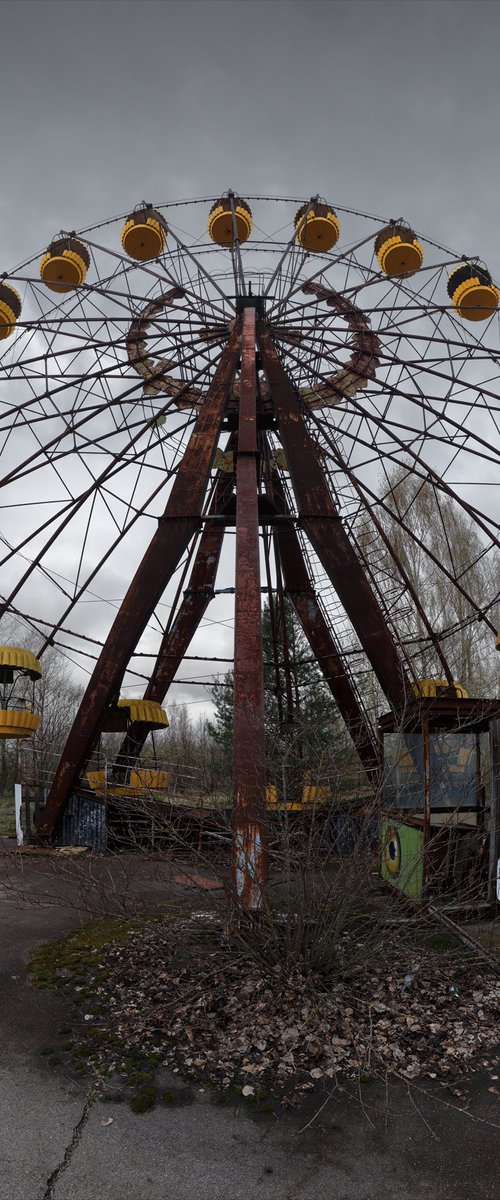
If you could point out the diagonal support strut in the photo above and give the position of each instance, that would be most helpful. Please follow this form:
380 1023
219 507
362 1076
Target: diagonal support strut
194 604
321 522
300 590
179 522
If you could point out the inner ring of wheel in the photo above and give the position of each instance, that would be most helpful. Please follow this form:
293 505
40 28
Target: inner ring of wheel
345 383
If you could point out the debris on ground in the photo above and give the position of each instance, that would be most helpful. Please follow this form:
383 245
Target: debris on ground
190 1001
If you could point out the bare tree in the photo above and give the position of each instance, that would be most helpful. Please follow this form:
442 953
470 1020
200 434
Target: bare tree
415 516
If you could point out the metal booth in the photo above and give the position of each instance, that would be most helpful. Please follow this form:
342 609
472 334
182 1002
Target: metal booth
440 800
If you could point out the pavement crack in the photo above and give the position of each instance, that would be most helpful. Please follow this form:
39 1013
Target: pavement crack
71 1147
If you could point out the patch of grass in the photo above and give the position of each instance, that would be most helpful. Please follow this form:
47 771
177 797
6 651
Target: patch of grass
138 1077
131 1064
154 1059
442 942
71 956
144 1099
489 938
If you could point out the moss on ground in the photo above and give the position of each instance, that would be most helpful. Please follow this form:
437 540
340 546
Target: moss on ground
71 956
144 1099
68 963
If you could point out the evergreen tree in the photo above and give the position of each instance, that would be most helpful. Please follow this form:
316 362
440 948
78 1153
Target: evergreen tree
304 734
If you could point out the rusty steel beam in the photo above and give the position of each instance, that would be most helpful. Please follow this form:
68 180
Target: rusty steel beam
301 592
196 599
320 520
176 527
250 844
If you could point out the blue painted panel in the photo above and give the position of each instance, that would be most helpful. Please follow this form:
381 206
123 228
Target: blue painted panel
83 824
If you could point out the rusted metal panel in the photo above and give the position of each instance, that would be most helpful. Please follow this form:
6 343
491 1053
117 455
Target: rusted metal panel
250 850
176 527
83 823
299 589
321 522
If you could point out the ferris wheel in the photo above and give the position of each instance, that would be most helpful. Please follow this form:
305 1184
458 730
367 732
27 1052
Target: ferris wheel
130 353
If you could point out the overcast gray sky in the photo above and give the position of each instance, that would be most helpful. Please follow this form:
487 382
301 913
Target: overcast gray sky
392 107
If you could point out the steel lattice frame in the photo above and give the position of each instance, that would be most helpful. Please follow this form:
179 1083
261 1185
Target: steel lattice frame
114 400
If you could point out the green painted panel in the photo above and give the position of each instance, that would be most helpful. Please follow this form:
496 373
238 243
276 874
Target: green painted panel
402 857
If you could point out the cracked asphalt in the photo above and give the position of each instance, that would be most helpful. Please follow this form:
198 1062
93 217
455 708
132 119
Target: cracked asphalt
54 1145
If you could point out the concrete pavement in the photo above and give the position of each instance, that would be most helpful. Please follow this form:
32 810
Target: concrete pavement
53 1143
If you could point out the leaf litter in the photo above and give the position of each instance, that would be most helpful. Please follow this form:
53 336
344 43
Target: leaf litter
212 1013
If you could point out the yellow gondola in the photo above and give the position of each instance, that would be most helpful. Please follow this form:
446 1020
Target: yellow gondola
65 264
141 782
16 661
16 721
150 778
320 229
144 234
275 804
10 309
430 688
148 712
398 250
313 795
220 220
472 292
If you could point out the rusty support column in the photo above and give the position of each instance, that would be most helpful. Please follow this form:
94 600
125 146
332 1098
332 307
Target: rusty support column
301 592
250 850
176 527
321 522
